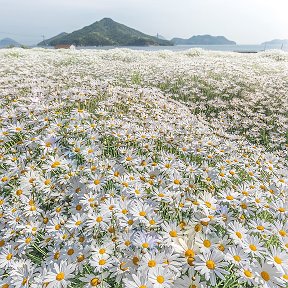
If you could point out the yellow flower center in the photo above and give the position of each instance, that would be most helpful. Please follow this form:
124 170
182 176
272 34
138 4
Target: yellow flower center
210 264
145 245
278 260
60 276
206 243
56 255
70 252
135 260
102 262
160 279
19 192
102 251
55 164
96 182
116 173
28 240
239 235
221 247
4 179
247 273
190 261
125 184
265 275
253 247
142 213
99 219
57 226
9 256
152 222
78 207
208 204
152 263
189 253
130 222
173 233
237 258
47 181
243 205
80 258
95 281
127 243
198 228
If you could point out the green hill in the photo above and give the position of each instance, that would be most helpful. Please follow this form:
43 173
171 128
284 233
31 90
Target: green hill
105 32
203 40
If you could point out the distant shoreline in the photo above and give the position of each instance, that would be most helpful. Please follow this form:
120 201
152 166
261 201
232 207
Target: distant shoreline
228 48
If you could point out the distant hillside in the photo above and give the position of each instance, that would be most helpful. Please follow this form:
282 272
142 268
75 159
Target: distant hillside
105 32
203 40
160 37
55 38
8 42
276 42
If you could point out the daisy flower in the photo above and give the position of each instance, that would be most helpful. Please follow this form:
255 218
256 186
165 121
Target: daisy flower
254 246
278 258
267 276
138 280
211 265
59 275
92 280
161 278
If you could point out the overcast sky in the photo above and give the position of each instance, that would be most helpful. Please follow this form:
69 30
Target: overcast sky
244 21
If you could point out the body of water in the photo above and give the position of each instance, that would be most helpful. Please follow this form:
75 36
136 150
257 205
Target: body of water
237 48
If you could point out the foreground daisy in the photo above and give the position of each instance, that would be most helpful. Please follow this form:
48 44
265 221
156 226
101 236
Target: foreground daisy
268 276
161 277
211 266
60 275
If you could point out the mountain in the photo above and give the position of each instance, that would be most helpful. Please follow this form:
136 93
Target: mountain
105 32
203 40
8 42
276 42
55 38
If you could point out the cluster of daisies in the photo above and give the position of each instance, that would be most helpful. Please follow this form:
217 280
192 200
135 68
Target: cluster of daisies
109 186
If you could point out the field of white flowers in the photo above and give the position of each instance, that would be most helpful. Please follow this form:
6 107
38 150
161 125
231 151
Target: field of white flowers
132 169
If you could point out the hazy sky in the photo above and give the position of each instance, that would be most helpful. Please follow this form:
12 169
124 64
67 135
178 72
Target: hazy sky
244 21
